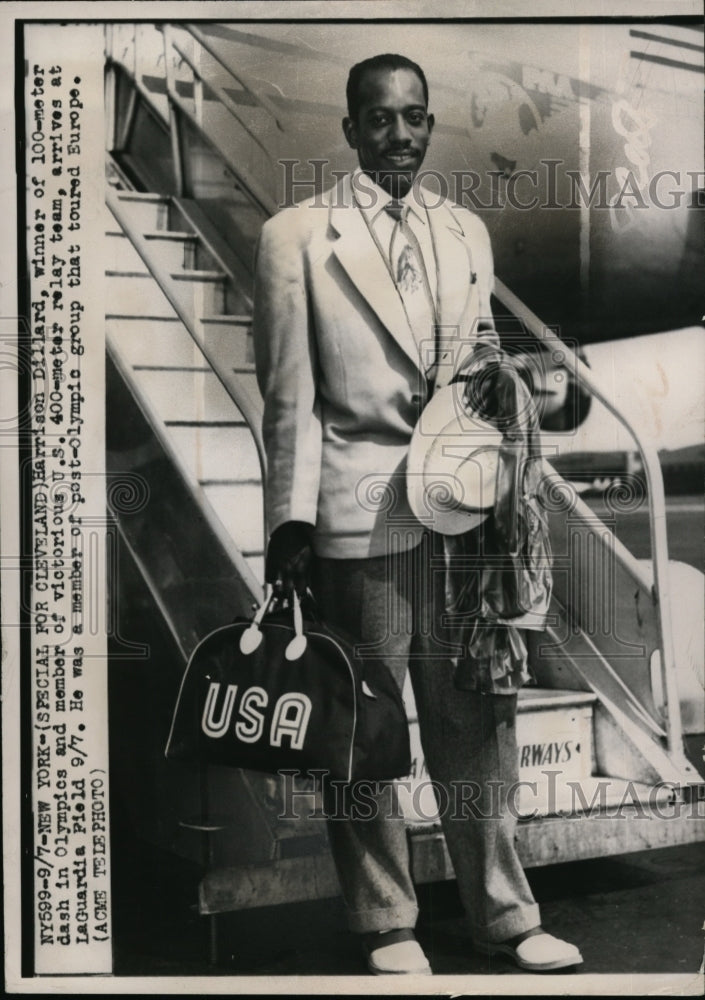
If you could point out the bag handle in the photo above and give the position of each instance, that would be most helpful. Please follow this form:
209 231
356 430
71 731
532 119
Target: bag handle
298 644
251 638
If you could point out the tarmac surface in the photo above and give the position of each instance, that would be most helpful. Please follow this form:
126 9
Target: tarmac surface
638 913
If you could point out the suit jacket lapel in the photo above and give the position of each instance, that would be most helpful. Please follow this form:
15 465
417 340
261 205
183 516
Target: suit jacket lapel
360 257
457 290
456 282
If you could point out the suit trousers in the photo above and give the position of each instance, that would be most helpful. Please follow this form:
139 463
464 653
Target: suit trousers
392 608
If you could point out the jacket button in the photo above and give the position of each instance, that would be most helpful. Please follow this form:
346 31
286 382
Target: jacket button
417 399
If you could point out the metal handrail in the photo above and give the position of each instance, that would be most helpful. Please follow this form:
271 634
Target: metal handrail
215 523
221 94
257 193
262 197
657 503
260 99
249 409
265 200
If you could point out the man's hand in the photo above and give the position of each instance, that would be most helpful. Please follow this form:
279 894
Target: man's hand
289 555
480 377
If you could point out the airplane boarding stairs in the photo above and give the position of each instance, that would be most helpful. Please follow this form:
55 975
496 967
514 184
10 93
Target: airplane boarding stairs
183 419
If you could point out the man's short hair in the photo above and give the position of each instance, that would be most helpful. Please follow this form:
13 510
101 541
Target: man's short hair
386 61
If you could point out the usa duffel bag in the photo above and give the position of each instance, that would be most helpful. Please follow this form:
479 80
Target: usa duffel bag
277 692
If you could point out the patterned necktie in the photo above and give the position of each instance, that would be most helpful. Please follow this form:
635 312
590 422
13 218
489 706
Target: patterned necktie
409 273
395 209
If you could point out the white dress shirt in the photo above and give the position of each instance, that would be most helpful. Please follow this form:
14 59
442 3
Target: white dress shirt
372 199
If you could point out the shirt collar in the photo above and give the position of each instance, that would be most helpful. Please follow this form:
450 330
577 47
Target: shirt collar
371 199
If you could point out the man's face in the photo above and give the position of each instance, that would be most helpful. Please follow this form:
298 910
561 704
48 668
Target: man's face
392 129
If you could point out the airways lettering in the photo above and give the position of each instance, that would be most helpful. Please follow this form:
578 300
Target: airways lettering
539 754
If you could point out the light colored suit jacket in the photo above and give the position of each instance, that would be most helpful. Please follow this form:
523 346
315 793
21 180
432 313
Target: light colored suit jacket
339 369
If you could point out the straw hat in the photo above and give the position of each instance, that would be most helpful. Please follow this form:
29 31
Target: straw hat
452 464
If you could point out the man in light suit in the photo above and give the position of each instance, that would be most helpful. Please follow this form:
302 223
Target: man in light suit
366 301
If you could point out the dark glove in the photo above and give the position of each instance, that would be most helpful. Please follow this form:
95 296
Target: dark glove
289 555
480 378
491 384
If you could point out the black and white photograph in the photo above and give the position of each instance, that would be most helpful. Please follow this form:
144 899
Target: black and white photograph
352 454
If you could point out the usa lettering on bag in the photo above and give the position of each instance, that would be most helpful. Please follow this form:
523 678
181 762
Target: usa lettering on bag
290 717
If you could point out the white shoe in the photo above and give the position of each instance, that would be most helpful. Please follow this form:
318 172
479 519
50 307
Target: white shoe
539 953
402 958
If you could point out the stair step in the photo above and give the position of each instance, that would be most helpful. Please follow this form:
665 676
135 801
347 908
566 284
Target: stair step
202 293
235 260
587 795
240 508
154 211
202 426
217 453
110 223
534 698
120 254
233 352
134 294
230 339
150 341
176 250
187 394
247 378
